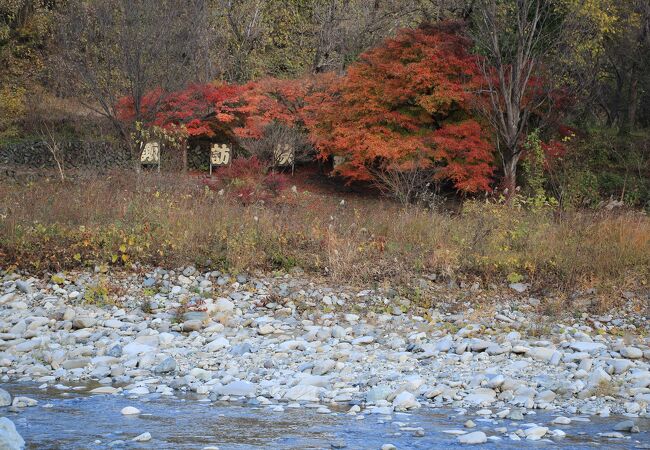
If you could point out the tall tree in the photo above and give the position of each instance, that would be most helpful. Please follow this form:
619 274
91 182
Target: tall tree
625 81
406 106
111 49
514 38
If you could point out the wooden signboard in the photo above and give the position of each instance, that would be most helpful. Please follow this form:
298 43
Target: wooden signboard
151 154
284 156
220 155
338 160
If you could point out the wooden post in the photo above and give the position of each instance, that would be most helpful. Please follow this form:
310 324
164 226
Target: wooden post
184 148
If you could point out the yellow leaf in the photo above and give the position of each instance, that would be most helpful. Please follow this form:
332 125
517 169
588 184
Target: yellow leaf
123 248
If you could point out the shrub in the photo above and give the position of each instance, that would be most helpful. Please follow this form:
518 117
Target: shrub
602 164
248 180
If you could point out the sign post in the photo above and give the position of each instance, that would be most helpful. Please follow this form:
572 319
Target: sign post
220 155
151 154
285 156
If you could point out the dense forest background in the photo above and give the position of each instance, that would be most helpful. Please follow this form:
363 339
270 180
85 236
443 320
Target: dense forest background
565 98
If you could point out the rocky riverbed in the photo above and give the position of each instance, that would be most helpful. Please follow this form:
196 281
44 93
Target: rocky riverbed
497 370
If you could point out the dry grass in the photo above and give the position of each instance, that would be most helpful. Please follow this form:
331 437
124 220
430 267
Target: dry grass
170 221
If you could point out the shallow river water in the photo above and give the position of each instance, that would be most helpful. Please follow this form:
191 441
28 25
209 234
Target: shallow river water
75 420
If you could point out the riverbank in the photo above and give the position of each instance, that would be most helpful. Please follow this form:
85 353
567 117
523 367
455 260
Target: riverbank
286 340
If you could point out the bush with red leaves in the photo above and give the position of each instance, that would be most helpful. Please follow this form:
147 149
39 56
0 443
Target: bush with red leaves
249 181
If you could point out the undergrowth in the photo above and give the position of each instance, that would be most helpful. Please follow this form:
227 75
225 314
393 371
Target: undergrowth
169 221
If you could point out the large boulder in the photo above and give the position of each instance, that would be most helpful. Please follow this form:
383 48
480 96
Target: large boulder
477 437
9 437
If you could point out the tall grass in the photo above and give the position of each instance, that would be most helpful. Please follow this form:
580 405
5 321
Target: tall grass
171 221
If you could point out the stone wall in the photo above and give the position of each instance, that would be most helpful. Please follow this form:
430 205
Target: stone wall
76 154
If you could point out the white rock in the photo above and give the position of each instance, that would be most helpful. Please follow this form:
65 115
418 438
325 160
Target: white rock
481 396
405 401
381 410
535 433
612 435
631 353
265 329
5 398
224 305
477 437
621 365
362 340
545 396
24 402
134 349
217 344
303 392
378 393
599 376
201 374
130 411
323 367
114 323
541 353
519 287
444 344
561 420
105 390
587 347
140 390
144 437
237 388
28 346
10 439
314 380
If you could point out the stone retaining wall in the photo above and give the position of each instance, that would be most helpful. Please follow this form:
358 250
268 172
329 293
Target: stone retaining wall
76 155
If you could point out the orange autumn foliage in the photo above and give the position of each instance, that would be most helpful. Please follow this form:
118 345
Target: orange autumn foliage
206 109
406 104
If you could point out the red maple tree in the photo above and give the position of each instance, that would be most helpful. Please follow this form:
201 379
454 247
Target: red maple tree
242 111
404 105
203 109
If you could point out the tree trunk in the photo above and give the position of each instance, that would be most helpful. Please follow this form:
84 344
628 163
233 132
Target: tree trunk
184 150
509 183
629 117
